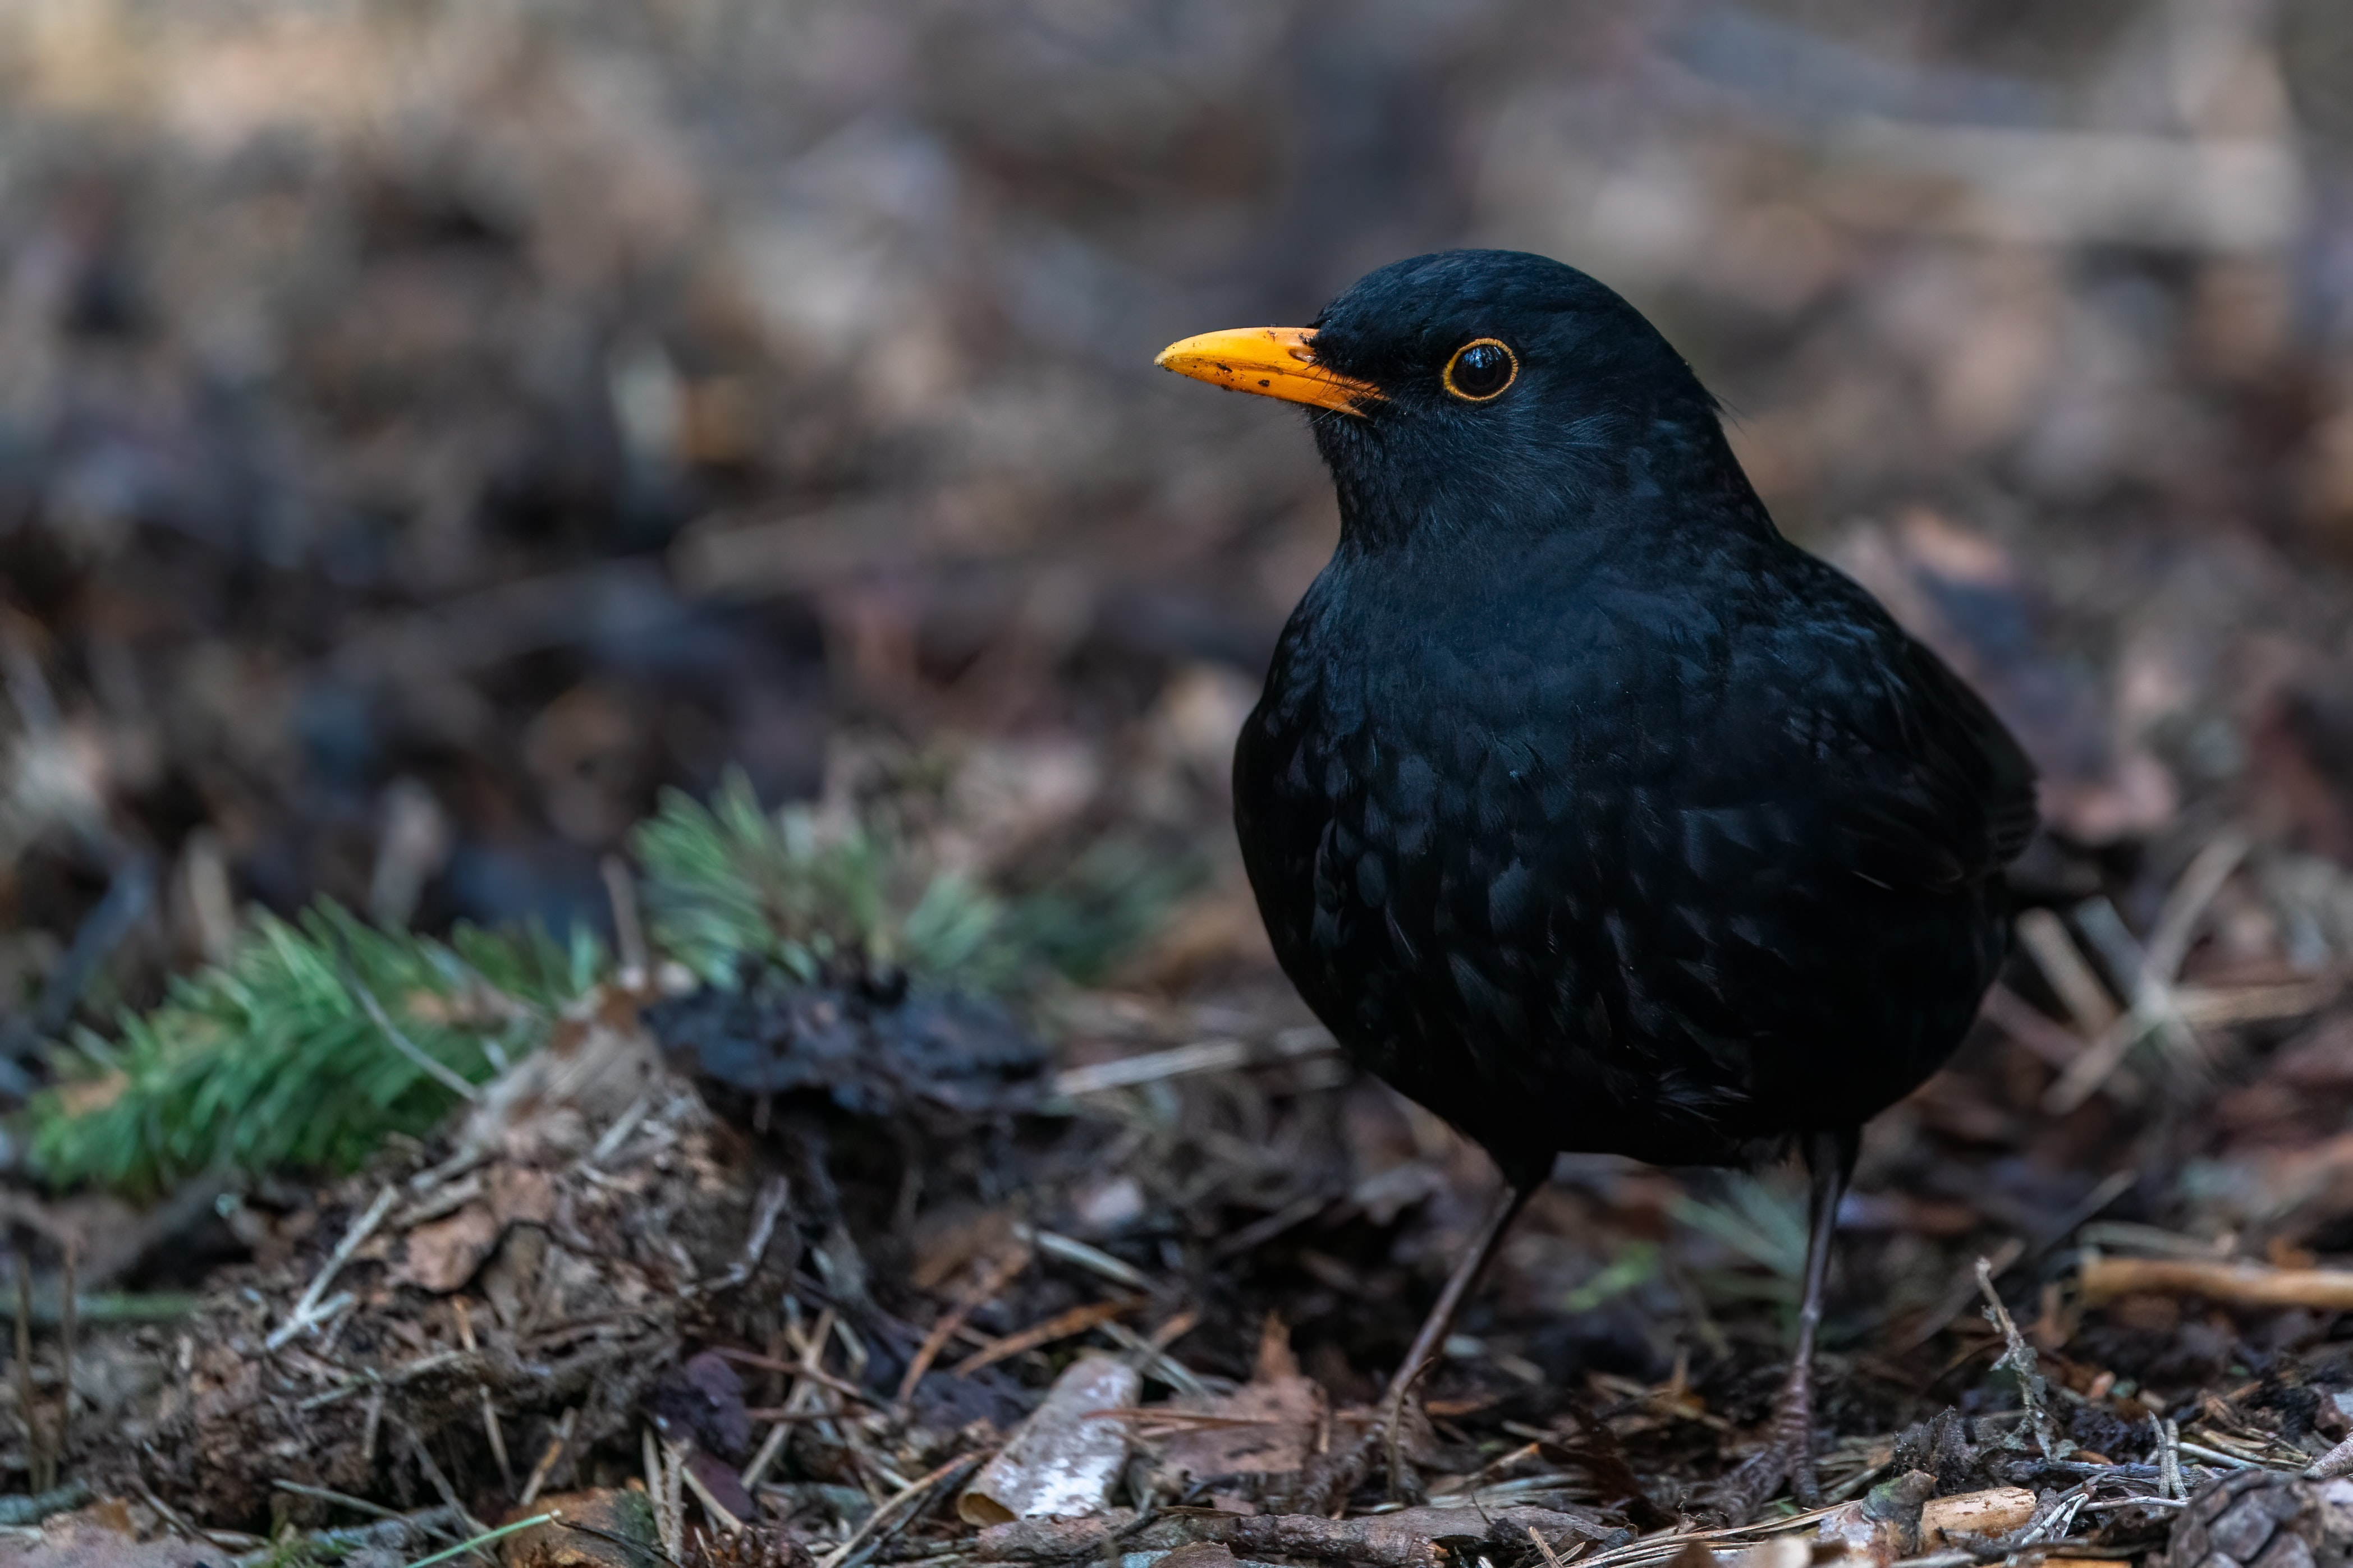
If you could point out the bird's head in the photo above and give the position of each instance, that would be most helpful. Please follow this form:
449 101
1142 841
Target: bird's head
1481 390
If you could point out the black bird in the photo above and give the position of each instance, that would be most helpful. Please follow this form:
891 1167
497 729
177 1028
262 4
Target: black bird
1583 807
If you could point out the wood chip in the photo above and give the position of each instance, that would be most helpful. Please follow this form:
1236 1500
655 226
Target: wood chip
1063 1459
1946 1521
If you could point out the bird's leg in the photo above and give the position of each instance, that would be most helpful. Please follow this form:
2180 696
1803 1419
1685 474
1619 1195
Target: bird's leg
1788 1453
1432 1340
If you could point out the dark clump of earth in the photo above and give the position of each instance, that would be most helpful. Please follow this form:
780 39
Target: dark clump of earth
880 1048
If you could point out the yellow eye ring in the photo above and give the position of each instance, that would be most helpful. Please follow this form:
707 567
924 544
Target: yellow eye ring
1475 381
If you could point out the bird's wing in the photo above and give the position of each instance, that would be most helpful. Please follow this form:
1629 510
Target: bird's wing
1912 779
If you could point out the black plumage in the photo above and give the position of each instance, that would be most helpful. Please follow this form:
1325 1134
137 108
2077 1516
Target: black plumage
1583 807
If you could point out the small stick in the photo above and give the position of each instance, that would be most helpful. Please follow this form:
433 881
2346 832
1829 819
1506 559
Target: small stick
776 1194
341 1499
1152 1067
673 1502
433 1474
305 1313
982 1289
800 1395
66 1335
1060 1326
36 1447
1552 1558
2231 1461
548 1457
371 1423
2337 1461
2018 1357
912 1490
491 1427
2169 1461
1070 1249
840 1386
2057 1045
719 1511
666 1522
609 1144
2245 1284
783 1422
165 1511
2044 936
1151 1356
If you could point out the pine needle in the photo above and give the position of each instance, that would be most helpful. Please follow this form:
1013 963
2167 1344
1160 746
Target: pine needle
730 882
272 1062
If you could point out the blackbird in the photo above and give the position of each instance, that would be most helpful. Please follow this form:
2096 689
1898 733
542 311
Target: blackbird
1582 806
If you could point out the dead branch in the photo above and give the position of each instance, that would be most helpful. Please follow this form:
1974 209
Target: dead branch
2244 1284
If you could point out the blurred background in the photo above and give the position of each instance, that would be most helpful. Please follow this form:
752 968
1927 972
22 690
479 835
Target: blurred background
426 430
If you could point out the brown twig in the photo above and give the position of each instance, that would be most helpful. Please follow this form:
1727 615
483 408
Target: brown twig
440 1483
307 1312
912 1491
670 1513
720 1513
69 1287
2044 937
1060 1326
2055 1044
2018 1356
491 1427
823 1379
40 1458
556 1443
2244 1284
999 1275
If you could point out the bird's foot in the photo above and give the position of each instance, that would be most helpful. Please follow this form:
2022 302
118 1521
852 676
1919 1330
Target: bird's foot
1788 1456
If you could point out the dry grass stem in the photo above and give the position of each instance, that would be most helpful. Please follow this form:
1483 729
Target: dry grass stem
41 1458
306 1314
68 1287
719 1511
556 1443
1095 1259
996 1278
1060 1326
2044 937
913 1491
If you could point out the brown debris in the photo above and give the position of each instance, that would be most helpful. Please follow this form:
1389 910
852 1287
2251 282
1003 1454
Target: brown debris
1955 1521
606 1528
103 1536
1268 1426
1406 1538
1062 1460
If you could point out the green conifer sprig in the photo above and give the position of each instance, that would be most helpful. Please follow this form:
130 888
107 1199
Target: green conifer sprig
274 1061
278 1060
730 880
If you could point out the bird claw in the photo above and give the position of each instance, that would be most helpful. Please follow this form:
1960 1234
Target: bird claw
1788 1456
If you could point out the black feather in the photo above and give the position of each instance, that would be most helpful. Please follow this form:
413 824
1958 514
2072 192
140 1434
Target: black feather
1584 808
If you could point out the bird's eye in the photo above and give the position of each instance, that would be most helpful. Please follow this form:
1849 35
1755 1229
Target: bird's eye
1481 370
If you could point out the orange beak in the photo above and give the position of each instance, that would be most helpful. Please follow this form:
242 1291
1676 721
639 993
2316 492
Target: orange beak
1272 362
